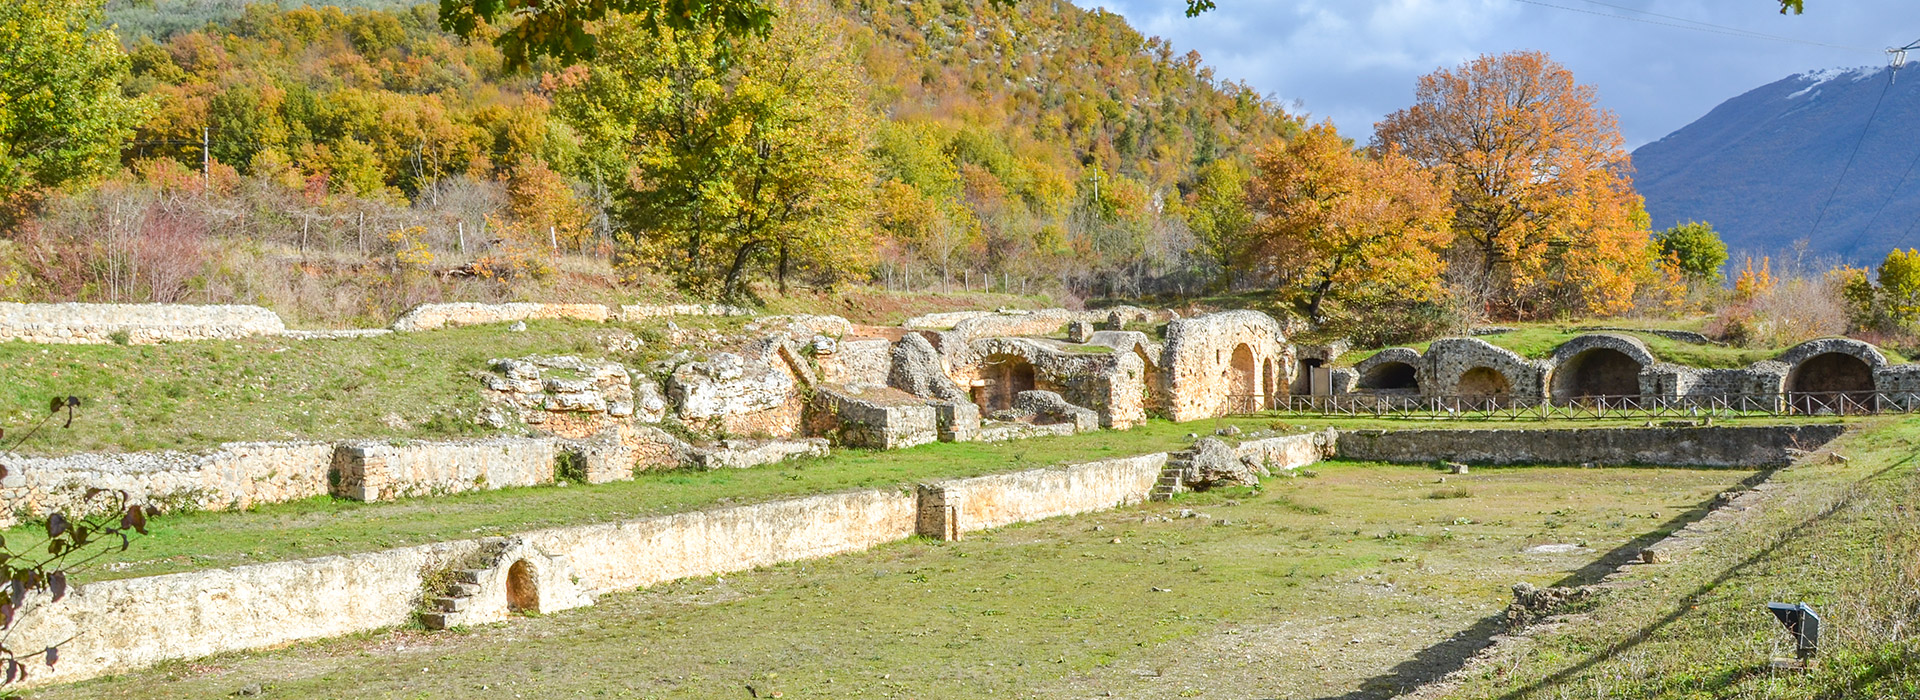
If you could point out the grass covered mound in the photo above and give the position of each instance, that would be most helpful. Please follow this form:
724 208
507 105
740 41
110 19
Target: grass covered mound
1328 584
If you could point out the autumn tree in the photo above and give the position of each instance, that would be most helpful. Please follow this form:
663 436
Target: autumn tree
1343 226
1544 210
736 162
63 117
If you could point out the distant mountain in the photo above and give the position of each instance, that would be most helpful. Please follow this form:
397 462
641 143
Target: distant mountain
1760 166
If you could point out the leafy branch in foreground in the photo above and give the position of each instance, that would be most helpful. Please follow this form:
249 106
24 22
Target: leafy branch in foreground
70 542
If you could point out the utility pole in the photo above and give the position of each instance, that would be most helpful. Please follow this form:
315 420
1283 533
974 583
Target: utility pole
206 159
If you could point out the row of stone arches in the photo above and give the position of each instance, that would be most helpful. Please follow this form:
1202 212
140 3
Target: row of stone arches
1601 367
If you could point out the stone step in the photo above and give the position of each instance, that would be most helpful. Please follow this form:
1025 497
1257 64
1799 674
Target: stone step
468 575
463 590
445 604
434 620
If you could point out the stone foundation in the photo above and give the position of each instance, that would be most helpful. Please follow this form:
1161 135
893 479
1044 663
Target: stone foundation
1759 446
133 324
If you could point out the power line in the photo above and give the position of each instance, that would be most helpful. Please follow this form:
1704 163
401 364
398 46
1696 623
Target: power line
1693 25
1856 152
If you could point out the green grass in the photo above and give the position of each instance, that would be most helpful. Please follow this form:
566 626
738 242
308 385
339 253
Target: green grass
321 526
1845 538
1308 586
199 394
187 541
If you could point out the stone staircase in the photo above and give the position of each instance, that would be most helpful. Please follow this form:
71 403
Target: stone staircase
448 609
1172 480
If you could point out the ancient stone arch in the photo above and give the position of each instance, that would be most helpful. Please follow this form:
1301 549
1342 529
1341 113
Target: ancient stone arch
1390 370
1244 372
1484 382
1199 360
1003 377
1818 384
1454 364
1826 370
1597 365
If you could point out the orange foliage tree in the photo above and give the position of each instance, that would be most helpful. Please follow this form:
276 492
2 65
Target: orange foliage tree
1338 225
1544 208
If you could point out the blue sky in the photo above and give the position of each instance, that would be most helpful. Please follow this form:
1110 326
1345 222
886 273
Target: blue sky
1356 60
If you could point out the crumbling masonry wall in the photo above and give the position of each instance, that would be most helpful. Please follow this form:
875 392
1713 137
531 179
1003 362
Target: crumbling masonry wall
136 324
1223 363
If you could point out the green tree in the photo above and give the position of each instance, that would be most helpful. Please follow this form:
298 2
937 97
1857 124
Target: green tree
63 117
1217 211
1900 284
1697 248
751 159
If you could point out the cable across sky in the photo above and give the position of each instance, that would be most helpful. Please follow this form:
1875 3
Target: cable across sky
1692 25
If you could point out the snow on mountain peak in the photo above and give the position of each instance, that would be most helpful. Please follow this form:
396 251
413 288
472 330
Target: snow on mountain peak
1817 78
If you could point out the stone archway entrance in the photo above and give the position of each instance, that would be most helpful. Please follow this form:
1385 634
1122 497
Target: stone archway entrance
1833 382
1484 383
523 591
1003 377
1243 379
1391 376
1595 373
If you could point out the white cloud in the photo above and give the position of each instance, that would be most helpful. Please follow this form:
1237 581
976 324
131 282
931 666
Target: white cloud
1356 60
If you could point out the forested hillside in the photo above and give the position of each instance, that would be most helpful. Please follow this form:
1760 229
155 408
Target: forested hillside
350 161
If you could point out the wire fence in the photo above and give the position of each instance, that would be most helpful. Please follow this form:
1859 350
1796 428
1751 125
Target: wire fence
1795 403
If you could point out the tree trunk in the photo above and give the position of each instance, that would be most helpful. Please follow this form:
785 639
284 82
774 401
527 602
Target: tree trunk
730 291
781 273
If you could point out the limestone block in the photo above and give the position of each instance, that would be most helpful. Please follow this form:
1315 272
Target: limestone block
740 454
1048 407
874 417
728 385
916 369
427 317
136 324
379 471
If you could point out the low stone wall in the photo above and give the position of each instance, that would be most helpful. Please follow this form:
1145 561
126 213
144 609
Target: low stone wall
426 317
643 552
380 471
636 312
118 625
137 622
949 508
1290 451
238 475
1758 446
133 323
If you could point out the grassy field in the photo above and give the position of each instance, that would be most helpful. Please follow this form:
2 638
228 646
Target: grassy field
1844 538
1351 583
321 526
196 395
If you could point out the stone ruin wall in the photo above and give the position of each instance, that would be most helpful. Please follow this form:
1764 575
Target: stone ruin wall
235 476
1459 367
131 623
136 324
1198 363
379 471
1683 447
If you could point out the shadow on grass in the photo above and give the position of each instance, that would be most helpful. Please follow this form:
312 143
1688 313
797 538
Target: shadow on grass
1686 603
1435 662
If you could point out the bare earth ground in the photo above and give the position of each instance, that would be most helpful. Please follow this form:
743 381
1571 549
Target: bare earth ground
1352 584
